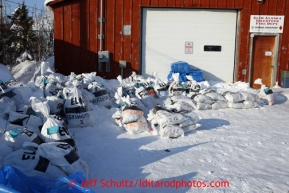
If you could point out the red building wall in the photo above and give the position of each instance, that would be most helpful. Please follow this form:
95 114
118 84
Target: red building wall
76 29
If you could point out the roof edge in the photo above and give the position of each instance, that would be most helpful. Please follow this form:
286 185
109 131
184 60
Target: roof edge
54 2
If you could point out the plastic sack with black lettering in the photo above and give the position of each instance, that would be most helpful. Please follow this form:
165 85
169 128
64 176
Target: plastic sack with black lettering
166 124
176 87
100 93
52 88
5 91
56 104
15 136
148 100
165 117
63 155
177 125
193 85
75 109
28 161
54 127
160 86
88 78
178 106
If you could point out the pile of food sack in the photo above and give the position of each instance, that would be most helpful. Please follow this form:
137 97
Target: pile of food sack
37 134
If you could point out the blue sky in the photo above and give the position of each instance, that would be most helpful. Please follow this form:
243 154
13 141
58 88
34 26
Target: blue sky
12 4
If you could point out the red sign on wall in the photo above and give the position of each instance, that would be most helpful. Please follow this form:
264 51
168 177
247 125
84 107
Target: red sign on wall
188 47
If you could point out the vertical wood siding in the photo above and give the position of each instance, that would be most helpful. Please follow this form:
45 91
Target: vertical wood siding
77 29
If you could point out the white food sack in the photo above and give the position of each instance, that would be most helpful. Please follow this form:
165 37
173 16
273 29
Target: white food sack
234 97
220 104
63 155
54 127
55 103
131 114
28 161
101 95
203 99
171 131
239 105
15 136
16 118
250 104
203 106
137 127
75 109
249 96
180 106
169 118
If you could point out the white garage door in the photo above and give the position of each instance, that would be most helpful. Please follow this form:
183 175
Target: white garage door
171 35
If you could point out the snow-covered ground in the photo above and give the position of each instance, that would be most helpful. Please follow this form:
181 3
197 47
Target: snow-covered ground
235 150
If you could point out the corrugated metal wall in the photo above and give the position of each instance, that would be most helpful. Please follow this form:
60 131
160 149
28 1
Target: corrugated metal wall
76 30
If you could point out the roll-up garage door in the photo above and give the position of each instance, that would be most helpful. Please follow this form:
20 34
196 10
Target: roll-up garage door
204 38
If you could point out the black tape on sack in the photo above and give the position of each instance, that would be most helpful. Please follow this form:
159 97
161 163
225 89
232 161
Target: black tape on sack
10 94
42 164
132 108
100 93
71 157
158 108
37 140
71 142
76 110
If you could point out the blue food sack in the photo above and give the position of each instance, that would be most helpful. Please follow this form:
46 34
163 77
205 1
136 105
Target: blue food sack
180 67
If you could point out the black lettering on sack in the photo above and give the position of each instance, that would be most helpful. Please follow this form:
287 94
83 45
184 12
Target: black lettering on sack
42 164
142 94
63 131
81 122
81 116
28 155
54 92
74 101
59 105
102 98
64 146
28 133
57 118
3 86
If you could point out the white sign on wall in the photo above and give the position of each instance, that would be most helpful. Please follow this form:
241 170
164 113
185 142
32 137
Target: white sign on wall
267 23
188 47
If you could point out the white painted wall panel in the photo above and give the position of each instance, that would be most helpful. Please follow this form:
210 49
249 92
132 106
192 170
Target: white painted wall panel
165 32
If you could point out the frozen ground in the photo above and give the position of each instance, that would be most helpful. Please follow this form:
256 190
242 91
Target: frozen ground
248 149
